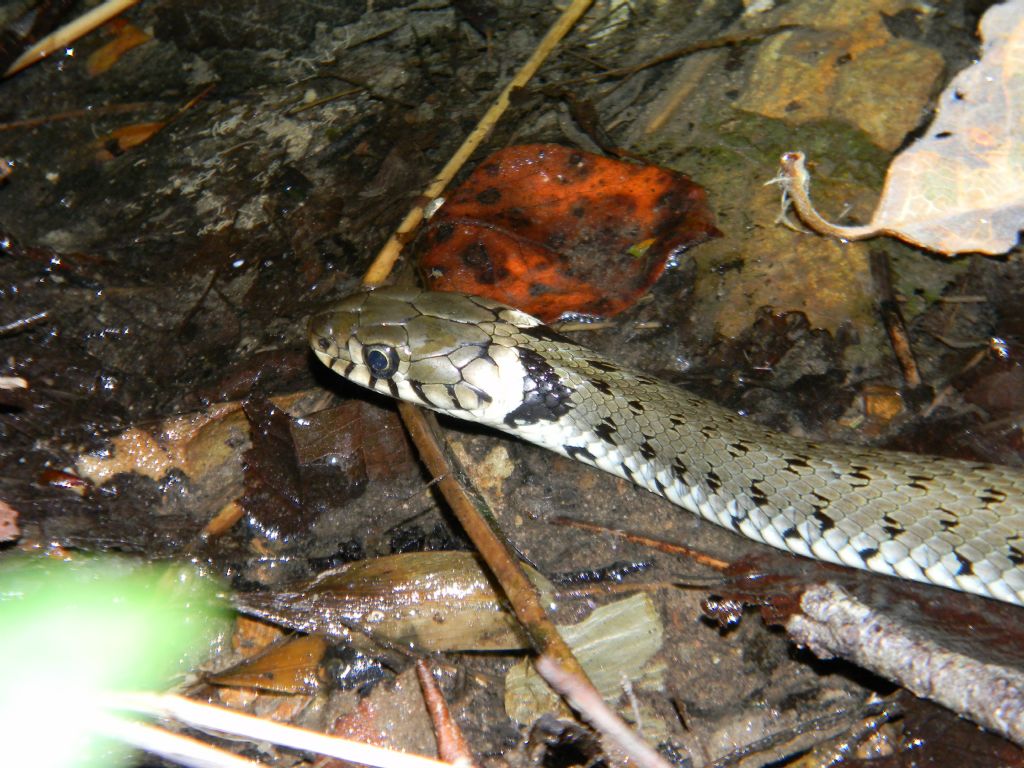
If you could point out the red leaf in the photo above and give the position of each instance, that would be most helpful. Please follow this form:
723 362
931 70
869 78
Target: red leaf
551 230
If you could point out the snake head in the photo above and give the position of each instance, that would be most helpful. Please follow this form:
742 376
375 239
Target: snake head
449 352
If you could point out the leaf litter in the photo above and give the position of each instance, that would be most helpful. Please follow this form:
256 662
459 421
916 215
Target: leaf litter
959 188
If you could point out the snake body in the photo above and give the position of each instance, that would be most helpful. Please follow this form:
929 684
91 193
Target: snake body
951 523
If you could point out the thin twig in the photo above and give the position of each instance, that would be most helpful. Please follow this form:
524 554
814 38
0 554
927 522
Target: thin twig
892 317
586 700
659 544
63 37
23 323
176 747
90 113
385 261
209 717
479 525
451 743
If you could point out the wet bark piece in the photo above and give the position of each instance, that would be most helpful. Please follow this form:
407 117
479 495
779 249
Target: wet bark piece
551 230
273 492
833 622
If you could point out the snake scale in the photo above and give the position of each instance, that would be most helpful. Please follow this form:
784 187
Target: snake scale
952 523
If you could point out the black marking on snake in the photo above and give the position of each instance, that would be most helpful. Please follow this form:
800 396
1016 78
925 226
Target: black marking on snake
859 473
647 450
348 370
823 501
791 533
827 523
660 486
580 453
450 389
606 432
918 482
677 421
545 397
713 480
627 473
679 470
757 495
965 569
867 553
636 406
602 386
948 524
417 387
481 396
793 463
1016 556
892 527
601 365
992 496
737 449
393 388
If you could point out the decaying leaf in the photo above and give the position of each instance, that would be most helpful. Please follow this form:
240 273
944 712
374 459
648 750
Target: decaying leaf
614 644
958 189
554 230
120 140
438 601
126 37
292 665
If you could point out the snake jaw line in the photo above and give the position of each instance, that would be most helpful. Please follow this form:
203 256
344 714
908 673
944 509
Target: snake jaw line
430 363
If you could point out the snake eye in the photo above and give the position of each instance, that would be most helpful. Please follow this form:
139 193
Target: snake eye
382 360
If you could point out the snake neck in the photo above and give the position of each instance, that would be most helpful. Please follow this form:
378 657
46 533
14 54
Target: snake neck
952 523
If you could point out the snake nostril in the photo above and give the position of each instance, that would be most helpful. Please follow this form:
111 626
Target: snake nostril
323 344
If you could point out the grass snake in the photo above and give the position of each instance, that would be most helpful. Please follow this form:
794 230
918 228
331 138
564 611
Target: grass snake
952 523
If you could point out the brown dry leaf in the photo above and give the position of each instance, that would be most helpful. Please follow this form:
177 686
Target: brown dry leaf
291 665
959 189
120 140
126 37
438 601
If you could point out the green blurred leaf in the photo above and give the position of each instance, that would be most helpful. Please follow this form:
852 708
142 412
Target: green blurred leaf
73 629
